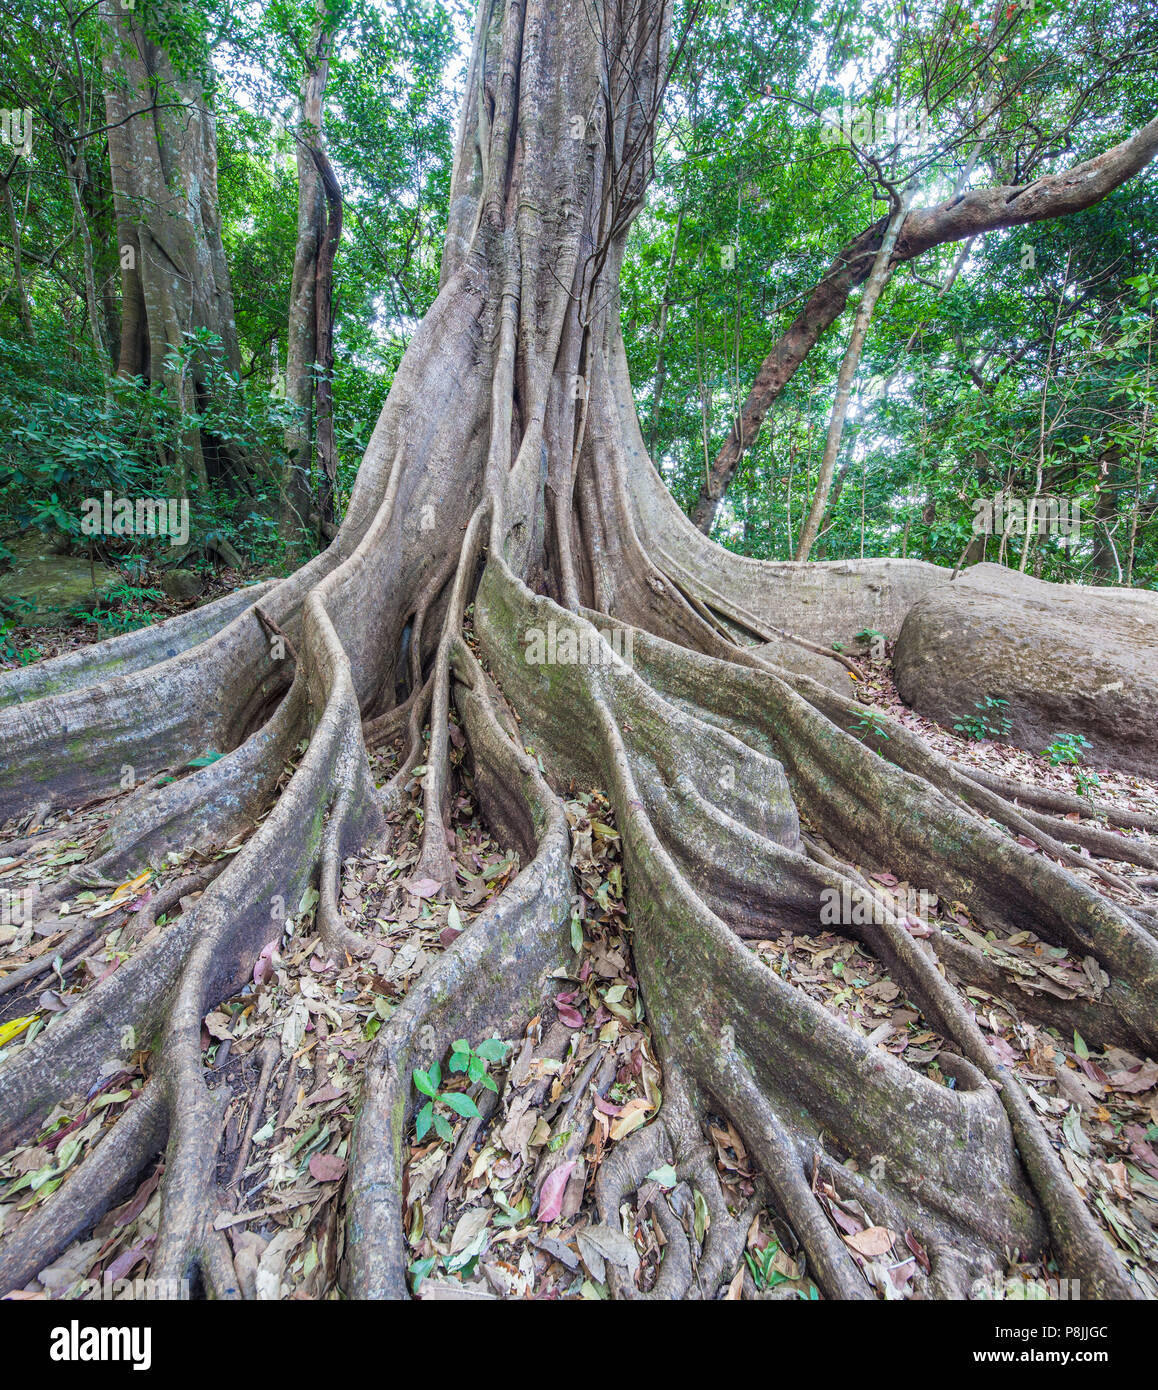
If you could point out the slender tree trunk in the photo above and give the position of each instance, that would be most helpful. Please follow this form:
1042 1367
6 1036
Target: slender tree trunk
22 304
1103 561
327 446
877 280
1142 437
661 341
830 509
75 175
1039 473
308 315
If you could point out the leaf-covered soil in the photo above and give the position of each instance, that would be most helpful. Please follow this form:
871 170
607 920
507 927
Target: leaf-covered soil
499 1185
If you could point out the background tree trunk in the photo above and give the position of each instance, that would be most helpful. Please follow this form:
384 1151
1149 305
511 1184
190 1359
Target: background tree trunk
175 281
310 291
874 286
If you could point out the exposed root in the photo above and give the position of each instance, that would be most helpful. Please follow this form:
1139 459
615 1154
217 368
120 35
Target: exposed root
88 1192
490 976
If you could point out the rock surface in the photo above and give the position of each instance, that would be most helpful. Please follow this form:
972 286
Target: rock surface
58 585
1069 659
181 584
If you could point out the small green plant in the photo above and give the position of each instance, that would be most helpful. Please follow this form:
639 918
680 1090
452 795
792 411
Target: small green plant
761 1263
990 722
12 611
871 723
127 609
874 640
1067 750
464 1059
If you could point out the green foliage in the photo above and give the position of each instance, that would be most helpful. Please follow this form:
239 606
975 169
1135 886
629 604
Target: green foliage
991 721
127 610
1066 748
67 435
761 1263
871 722
752 200
947 406
68 427
12 612
473 1062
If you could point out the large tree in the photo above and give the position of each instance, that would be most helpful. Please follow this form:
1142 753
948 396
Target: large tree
507 488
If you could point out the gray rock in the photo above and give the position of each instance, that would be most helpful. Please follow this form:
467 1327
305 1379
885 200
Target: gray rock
59 586
1068 658
180 584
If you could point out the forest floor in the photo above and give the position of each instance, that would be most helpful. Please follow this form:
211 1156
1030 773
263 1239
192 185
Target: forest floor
498 1196
139 603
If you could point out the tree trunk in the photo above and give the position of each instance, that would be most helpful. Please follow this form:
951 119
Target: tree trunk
310 332
22 303
508 475
661 341
875 284
175 281
74 172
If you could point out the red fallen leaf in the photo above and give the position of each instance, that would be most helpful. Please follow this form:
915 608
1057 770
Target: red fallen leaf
121 1266
448 936
1140 1148
915 1246
263 967
327 1167
915 927
889 880
606 1108
139 1201
320 963
571 1017
1091 1069
1136 1081
1003 1051
324 1094
846 1222
568 998
1028 843
423 887
551 1193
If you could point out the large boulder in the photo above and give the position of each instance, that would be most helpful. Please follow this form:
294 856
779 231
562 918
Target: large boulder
58 586
1069 659
181 584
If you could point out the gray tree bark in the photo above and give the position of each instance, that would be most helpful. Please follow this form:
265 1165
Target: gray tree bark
175 280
